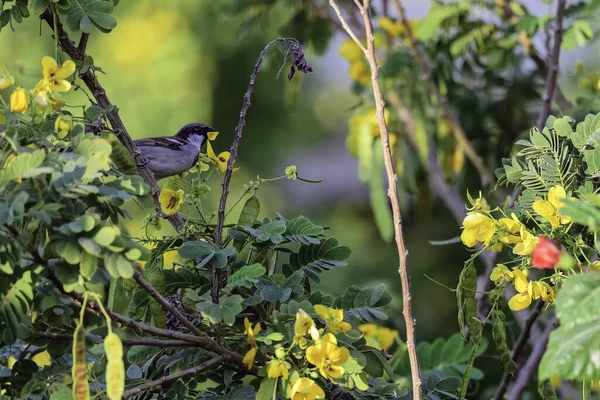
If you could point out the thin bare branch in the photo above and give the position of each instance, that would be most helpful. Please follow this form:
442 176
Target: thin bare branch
137 275
149 386
127 342
457 130
531 366
83 41
345 25
112 112
393 195
553 62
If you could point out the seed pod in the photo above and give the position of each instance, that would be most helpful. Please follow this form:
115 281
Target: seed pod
547 391
469 288
115 368
81 388
499 336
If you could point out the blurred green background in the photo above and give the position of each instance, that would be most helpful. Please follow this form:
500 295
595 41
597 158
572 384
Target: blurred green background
172 63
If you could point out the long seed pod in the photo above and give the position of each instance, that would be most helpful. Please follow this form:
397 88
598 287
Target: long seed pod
469 288
499 331
81 388
115 368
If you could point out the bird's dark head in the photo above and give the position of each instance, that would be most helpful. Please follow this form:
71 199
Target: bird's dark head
195 132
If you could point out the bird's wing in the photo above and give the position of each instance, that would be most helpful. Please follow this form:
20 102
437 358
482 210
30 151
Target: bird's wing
164 141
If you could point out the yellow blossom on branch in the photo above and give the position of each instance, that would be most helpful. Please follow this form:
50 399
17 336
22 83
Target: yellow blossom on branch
248 359
304 325
549 208
477 228
251 332
501 273
277 369
55 76
19 101
528 291
170 200
334 318
222 159
305 389
6 78
379 337
63 125
513 228
527 244
328 357
350 51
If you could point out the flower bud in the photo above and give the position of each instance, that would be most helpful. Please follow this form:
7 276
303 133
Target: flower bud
5 78
19 100
546 254
280 352
63 125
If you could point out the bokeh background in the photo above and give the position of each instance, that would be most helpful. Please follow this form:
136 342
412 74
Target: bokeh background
169 63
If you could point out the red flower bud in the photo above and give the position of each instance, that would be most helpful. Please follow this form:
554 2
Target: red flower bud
546 253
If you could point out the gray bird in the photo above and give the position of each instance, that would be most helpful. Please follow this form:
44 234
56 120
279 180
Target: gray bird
173 155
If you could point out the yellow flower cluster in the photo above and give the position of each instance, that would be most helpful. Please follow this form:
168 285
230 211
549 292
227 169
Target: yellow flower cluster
45 95
549 208
222 159
358 69
527 291
379 337
250 333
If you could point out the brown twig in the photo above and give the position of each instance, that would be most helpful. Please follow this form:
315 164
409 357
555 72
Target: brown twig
127 342
296 53
531 366
137 275
90 80
456 128
392 188
202 341
519 347
83 41
167 378
553 62
541 65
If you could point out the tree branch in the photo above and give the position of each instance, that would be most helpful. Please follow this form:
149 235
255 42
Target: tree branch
531 366
519 347
90 80
167 378
457 130
201 341
137 275
296 53
127 342
542 67
552 64
392 193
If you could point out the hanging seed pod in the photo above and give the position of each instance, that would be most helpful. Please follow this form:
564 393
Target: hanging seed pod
115 368
81 388
498 303
469 288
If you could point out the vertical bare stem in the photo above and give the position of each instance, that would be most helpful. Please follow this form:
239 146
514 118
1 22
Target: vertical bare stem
392 190
552 64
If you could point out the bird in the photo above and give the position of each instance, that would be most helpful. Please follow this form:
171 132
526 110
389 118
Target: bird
173 155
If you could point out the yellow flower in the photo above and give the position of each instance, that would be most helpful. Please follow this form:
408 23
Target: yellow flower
501 273
523 298
304 324
477 228
350 51
334 318
55 77
359 72
19 101
219 161
545 291
480 203
300 341
305 389
392 28
63 125
249 357
549 208
170 200
378 337
328 357
6 79
527 244
250 332
278 368
513 229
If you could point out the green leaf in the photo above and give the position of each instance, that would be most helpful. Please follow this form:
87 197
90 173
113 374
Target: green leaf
578 302
563 127
316 258
105 236
21 165
118 266
97 11
302 230
39 6
88 266
267 390
246 276
15 298
195 250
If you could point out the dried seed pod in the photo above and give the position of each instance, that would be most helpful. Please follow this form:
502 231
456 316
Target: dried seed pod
81 388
